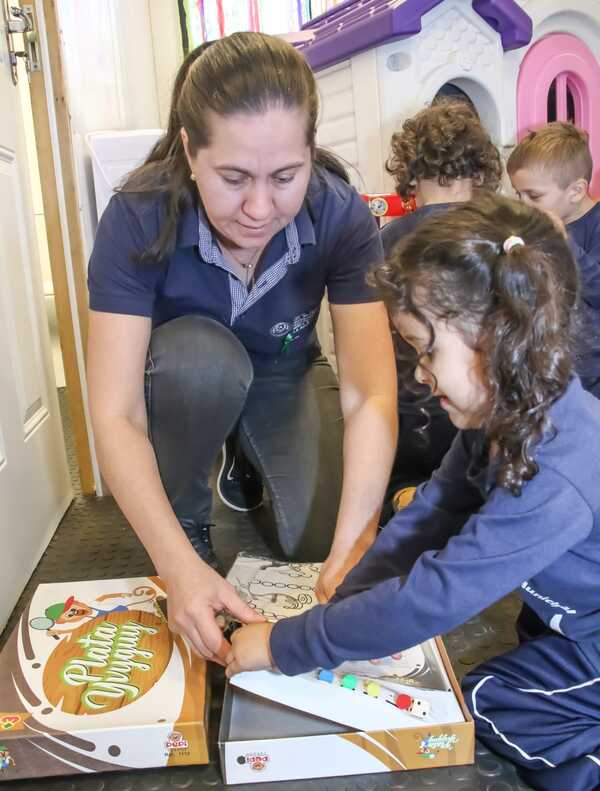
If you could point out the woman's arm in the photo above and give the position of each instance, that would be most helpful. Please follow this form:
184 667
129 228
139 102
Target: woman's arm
116 359
367 373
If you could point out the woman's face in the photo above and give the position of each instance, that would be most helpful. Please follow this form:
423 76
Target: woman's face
452 370
253 176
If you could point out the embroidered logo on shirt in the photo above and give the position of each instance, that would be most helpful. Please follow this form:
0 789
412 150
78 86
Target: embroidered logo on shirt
280 329
302 321
295 326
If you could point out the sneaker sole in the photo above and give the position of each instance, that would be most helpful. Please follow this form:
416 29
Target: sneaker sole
222 497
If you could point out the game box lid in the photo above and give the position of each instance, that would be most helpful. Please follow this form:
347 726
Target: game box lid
92 680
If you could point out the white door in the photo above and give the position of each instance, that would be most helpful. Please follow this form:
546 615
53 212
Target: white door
35 488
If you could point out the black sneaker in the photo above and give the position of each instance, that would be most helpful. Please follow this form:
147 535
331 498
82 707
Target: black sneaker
199 538
238 484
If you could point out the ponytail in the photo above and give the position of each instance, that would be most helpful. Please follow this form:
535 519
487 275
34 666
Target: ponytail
331 162
530 356
164 147
166 172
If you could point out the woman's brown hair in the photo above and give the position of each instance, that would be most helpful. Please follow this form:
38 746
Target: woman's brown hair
516 308
445 141
242 73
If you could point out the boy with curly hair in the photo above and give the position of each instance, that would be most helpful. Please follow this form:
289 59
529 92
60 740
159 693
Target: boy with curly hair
442 156
551 169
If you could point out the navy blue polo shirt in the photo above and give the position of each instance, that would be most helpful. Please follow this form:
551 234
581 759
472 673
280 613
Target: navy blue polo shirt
329 246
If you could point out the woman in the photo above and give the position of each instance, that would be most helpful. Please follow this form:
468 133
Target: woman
205 284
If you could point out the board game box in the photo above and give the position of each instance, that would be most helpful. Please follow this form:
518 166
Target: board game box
395 713
92 680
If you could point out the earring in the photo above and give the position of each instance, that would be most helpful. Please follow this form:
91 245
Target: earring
193 177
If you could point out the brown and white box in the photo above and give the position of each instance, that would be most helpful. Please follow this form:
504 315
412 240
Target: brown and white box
263 741
92 680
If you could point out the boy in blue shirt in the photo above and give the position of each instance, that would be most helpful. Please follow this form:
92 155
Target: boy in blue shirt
551 169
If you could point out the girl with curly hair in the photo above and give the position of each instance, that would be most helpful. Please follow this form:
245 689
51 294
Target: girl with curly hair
443 156
485 295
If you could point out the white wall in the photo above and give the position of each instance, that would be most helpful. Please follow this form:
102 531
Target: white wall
349 97
119 59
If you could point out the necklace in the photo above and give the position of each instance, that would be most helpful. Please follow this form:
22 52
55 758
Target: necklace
247 267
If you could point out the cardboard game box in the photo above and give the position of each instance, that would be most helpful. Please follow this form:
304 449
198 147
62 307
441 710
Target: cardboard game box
261 740
92 680
275 727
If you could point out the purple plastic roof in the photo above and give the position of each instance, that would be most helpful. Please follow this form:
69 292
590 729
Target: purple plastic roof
357 25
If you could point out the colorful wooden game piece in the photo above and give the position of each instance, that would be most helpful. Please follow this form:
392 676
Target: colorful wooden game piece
373 689
403 701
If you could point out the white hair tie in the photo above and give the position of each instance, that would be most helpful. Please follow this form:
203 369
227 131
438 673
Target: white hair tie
512 241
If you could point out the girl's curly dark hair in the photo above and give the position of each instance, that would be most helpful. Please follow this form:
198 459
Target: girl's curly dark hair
518 309
445 141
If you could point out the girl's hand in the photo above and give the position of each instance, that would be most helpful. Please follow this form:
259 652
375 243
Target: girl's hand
250 649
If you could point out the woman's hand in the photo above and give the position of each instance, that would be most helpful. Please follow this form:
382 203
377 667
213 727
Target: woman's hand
250 649
368 384
196 595
335 568
332 573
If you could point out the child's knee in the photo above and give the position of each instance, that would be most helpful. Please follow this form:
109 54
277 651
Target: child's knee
470 685
485 695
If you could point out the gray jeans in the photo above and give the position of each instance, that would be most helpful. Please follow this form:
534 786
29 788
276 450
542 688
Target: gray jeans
200 386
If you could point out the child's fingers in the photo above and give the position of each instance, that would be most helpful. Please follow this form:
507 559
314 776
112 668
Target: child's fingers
199 647
222 622
232 668
223 652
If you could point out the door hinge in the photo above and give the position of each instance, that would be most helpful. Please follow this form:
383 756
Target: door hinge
20 22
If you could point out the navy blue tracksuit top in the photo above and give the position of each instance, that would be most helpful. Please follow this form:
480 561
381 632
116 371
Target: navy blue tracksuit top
464 543
584 235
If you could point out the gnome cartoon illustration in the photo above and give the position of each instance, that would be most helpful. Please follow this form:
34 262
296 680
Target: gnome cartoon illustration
63 617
